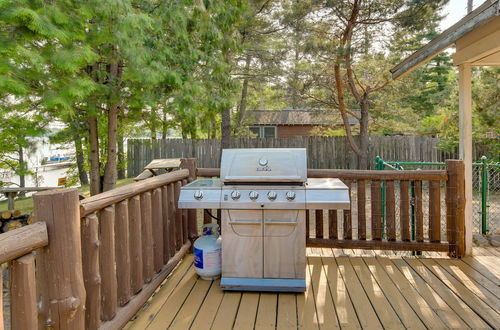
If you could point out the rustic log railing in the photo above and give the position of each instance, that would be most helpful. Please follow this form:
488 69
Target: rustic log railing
100 259
450 180
16 248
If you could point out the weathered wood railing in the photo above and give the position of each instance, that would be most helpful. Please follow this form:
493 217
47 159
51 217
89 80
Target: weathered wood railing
99 259
16 248
451 180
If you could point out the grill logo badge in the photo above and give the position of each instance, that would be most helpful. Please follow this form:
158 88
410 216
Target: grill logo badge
264 169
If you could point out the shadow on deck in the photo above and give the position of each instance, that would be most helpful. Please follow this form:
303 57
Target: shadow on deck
346 288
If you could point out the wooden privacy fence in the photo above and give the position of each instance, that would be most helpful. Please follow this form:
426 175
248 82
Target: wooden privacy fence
322 152
450 181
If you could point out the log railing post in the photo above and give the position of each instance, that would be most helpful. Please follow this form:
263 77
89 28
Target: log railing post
191 165
62 293
455 207
23 293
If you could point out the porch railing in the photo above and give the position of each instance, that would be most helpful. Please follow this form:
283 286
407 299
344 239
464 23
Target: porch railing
363 228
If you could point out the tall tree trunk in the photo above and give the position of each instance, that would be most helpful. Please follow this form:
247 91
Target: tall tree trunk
95 177
80 159
164 128
22 168
225 127
121 157
110 169
152 124
244 91
364 134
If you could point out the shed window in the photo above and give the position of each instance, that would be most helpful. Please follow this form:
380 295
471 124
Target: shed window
264 131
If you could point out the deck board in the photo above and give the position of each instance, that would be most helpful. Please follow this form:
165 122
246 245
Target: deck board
345 289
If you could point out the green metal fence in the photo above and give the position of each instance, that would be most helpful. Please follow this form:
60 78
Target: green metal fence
485 190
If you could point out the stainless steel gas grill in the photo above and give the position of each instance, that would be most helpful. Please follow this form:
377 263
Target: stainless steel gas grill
263 195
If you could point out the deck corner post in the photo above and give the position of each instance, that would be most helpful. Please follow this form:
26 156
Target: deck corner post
59 274
191 165
455 207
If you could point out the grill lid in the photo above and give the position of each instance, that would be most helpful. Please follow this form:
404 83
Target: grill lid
263 165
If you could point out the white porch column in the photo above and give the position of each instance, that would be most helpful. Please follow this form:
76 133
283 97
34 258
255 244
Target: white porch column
465 151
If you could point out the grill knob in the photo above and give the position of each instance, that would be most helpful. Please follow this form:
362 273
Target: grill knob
271 195
253 195
290 195
198 194
235 194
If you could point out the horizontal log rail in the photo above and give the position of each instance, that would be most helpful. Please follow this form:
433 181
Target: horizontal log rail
21 241
427 175
100 201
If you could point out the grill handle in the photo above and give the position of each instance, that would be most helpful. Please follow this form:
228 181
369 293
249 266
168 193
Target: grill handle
280 222
245 222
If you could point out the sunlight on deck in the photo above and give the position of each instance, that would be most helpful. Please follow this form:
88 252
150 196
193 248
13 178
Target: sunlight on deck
346 288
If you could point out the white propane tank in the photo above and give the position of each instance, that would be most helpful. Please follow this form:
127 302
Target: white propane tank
207 253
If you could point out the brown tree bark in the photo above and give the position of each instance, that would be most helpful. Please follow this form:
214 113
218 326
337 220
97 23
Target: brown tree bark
80 159
121 157
95 177
110 169
225 127
244 91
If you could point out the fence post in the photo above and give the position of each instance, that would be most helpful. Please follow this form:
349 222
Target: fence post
59 273
191 165
484 195
455 207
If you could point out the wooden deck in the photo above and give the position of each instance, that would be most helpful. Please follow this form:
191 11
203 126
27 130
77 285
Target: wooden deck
346 289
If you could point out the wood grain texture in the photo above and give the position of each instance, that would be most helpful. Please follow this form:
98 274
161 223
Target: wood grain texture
434 211
404 210
107 264
456 206
23 299
91 273
159 227
135 246
122 252
376 210
21 241
147 237
100 201
361 194
319 223
61 272
171 228
390 210
332 224
419 214
347 224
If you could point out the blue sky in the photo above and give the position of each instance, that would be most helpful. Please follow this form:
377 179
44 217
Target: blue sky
455 10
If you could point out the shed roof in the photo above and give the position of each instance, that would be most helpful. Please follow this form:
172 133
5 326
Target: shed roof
488 11
296 117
